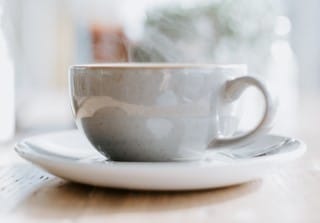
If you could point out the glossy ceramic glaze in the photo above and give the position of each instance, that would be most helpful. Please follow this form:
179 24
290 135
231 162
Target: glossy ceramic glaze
152 112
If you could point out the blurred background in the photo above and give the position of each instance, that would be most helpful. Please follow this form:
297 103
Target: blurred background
39 39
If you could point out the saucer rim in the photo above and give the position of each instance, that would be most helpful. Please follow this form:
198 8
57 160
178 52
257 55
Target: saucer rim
161 176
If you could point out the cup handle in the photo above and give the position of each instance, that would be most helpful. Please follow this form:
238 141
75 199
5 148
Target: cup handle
231 92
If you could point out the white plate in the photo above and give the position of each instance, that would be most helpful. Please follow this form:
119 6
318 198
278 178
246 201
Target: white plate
70 156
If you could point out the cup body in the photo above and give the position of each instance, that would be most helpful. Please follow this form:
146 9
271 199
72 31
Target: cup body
153 112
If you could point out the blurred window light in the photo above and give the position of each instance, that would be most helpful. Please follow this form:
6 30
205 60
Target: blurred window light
282 26
7 123
281 50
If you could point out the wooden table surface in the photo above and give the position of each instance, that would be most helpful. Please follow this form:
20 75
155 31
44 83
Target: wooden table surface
292 194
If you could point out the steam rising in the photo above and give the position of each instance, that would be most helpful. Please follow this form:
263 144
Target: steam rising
233 31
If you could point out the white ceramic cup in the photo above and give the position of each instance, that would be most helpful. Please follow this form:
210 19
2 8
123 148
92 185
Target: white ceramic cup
161 112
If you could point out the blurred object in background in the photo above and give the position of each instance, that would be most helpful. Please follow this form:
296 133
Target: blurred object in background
45 51
7 114
305 37
99 31
108 43
282 73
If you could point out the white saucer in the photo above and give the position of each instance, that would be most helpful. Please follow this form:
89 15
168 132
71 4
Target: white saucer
70 156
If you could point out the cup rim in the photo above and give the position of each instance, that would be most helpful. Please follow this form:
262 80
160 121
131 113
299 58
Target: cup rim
158 66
